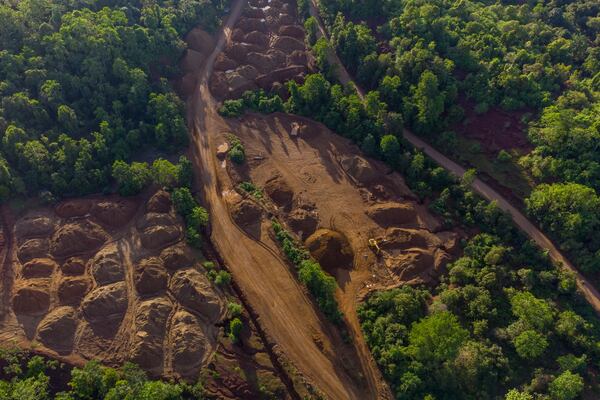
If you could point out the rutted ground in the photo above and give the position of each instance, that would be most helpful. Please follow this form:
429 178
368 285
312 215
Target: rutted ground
266 50
112 279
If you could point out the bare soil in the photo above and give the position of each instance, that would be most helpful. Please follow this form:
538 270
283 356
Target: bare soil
495 130
266 50
85 282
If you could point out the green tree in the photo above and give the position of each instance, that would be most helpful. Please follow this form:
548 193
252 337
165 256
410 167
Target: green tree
235 329
131 178
566 386
429 100
184 201
515 394
164 173
436 338
530 344
390 148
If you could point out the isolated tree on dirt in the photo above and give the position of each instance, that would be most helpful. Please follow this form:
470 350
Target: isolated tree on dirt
183 200
235 329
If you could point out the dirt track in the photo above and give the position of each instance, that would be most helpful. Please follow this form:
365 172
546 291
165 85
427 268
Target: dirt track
591 294
285 311
589 291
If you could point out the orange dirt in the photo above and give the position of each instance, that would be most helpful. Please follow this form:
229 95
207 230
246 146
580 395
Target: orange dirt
110 279
268 38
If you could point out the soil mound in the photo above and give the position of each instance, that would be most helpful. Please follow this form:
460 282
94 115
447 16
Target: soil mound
33 248
114 213
73 266
151 315
238 84
32 300
192 60
77 237
254 13
297 57
262 62
248 72
73 208
152 219
34 227
303 222
279 191
106 305
151 276
159 236
246 213
392 214
150 322
293 31
160 202
414 265
218 85
224 63
72 290
38 268
285 19
360 169
194 291
178 256
200 40
252 24
331 249
189 344
407 238
257 38
281 75
106 267
57 329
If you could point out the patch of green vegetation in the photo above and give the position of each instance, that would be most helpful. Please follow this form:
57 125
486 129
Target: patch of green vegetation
504 169
251 189
26 377
236 153
320 284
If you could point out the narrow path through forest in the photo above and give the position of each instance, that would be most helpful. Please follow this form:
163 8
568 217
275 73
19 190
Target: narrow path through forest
585 286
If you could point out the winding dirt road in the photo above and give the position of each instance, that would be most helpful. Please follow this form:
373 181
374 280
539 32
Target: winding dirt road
285 311
591 294
589 291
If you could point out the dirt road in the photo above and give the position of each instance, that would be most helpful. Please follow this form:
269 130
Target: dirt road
273 292
591 294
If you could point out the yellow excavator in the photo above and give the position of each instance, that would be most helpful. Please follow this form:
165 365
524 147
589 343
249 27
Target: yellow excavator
374 246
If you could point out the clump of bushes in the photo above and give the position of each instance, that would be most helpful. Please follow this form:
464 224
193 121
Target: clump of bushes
196 217
237 154
320 284
257 101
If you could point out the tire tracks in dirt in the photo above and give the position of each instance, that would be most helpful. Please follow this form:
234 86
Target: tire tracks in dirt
285 312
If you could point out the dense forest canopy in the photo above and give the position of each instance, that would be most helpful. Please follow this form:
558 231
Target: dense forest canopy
429 60
84 83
